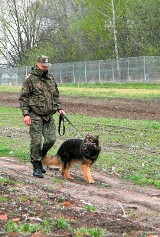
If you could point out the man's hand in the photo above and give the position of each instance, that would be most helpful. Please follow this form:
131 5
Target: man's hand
61 111
27 120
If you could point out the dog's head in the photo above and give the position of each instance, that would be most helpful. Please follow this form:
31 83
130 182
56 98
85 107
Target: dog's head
91 147
93 139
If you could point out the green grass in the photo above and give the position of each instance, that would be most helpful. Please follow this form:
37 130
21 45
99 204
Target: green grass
3 199
111 93
110 90
113 90
150 86
131 147
89 207
10 226
94 232
12 89
4 180
57 180
48 226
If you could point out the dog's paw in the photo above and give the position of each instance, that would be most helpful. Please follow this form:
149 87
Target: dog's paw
91 181
68 176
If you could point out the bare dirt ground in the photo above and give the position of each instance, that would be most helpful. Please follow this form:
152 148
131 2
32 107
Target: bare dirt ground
110 108
123 209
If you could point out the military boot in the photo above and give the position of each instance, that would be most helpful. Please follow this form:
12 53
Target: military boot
37 169
43 154
42 167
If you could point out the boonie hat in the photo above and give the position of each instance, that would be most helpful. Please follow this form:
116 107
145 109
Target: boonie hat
44 60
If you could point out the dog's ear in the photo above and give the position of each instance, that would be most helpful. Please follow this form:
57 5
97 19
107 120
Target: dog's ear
87 136
97 136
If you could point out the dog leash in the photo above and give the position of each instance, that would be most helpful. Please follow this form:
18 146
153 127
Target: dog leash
62 119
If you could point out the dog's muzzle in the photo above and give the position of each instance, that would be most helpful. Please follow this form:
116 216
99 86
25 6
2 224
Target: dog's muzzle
88 147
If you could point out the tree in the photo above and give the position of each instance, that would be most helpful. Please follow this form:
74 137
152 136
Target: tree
98 26
56 38
143 27
76 30
20 31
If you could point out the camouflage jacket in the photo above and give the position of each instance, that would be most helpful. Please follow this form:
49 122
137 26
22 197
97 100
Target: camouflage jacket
39 94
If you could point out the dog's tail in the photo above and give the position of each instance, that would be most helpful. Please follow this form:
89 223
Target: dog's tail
53 160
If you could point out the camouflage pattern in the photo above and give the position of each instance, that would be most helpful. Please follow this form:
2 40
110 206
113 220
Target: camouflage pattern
44 60
39 99
41 132
39 94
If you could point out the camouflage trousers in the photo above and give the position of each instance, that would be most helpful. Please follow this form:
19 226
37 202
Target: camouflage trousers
43 136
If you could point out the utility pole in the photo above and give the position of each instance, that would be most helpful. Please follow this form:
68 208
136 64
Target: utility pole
115 37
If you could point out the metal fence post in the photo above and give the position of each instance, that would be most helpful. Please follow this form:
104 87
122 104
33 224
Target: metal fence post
85 71
74 80
99 71
26 71
16 77
128 70
144 63
60 74
113 70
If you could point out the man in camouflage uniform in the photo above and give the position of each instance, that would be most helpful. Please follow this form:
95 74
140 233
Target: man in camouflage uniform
39 100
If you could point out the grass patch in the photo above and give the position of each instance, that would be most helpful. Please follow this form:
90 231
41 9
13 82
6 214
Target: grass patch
94 232
23 228
141 179
126 93
4 180
57 180
130 146
110 90
113 90
3 199
47 226
90 207
139 85
10 89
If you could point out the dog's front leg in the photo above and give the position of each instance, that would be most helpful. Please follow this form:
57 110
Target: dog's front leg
65 171
87 173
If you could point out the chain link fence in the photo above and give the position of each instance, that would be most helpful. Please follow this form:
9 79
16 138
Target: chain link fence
135 69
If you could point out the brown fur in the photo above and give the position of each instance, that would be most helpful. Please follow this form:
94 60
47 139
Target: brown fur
53 160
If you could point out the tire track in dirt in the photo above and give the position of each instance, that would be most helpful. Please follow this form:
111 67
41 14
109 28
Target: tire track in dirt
109 193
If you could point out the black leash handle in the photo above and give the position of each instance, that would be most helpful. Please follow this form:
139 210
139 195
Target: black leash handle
61 121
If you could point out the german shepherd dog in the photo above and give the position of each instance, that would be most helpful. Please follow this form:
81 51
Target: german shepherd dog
76 150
